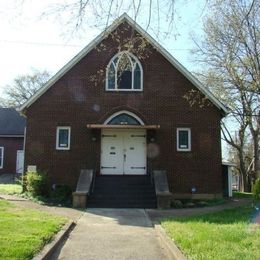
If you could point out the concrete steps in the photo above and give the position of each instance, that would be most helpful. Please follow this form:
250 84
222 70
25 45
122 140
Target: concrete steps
122 192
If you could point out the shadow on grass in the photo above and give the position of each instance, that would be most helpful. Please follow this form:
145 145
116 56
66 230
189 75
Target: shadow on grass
246 195
228 216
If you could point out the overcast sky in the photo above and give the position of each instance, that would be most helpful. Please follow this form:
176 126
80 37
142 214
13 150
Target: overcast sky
29 42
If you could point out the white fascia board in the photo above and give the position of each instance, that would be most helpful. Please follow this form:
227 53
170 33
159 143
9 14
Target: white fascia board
228 163
149 38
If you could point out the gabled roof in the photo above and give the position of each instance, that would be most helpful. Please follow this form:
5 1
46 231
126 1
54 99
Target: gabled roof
11 122
154 43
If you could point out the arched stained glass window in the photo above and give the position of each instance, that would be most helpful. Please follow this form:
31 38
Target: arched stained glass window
124 72
123 119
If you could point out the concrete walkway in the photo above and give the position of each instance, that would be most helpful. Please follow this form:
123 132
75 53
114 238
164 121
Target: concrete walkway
116 233
113 234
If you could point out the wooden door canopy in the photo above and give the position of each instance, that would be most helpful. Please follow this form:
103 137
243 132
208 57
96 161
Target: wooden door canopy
100 126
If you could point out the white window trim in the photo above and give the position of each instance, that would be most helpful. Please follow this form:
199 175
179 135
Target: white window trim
57 137
116 89
2 158
189 139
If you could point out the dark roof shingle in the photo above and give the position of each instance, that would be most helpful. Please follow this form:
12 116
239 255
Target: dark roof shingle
11 122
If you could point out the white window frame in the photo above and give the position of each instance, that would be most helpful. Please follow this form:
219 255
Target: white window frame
57 137
2 157
141 72
189 139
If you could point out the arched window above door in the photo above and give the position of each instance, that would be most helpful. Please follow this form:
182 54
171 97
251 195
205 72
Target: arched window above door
124 118
124 73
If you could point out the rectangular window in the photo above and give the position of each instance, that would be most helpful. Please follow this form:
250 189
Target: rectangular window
183 139
1 157
63 138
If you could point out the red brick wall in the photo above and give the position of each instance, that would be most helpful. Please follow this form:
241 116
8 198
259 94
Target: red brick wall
11 145
76 101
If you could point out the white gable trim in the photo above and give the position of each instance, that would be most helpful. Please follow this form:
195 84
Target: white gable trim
154 43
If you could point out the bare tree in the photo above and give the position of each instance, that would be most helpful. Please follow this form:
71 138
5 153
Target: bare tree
3 103
23 87
230 50
234 155
100 13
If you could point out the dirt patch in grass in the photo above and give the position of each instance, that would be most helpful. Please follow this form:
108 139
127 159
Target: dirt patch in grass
189 203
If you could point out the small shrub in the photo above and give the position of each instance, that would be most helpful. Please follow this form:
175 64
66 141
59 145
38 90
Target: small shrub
215 202
189 205
177 204
22 180
256 189
61 194
37 184
192 203
202 203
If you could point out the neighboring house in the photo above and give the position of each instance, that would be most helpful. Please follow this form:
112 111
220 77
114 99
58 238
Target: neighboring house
12 127
235 181
123 113
227 178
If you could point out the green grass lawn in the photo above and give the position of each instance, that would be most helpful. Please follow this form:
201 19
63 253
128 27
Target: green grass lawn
246 195
10 189
61 197
24 232
228 234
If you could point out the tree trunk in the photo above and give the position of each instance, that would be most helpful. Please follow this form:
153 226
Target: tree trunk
256 158
246 184
256 153
241 185
246 187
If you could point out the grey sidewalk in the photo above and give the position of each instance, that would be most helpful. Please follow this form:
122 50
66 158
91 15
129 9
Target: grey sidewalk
113 234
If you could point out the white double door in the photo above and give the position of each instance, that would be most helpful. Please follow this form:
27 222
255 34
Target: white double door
123 151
